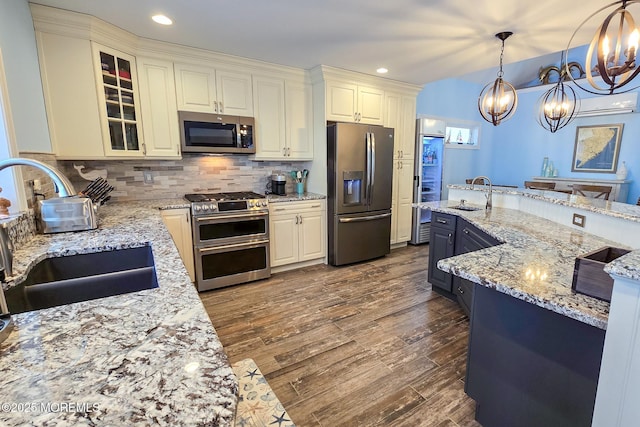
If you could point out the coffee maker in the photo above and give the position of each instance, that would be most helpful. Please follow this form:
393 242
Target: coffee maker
278 182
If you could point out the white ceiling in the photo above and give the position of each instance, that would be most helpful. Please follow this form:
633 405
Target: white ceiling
419 41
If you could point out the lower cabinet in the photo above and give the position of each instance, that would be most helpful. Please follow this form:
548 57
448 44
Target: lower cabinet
178 222
441 245
451 236
297 232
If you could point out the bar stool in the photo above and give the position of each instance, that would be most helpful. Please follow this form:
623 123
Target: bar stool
537 185
596 191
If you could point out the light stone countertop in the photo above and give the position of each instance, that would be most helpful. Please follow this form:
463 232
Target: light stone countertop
605 207
535 263
294 197
145 358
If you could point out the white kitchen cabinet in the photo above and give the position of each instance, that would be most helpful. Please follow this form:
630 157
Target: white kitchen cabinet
118 102
401 116
158 108
283 112
70 96
178 223
269 99
297 232
350 102
402 195
208 90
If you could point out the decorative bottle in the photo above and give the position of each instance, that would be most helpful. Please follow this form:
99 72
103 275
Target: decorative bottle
549 170
622 171
545 164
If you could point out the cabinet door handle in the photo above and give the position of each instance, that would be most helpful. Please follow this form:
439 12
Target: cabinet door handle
460 290
178 149
221 106
442 221
300 219
315 206
280 209
296 219
289 151
144 149
465 231
215 106
284 151
401 154
449 239
187 216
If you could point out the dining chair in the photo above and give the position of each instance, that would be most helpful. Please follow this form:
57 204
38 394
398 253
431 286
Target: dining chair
593 191
537 185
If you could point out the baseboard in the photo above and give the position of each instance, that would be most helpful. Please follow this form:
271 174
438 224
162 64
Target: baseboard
296 265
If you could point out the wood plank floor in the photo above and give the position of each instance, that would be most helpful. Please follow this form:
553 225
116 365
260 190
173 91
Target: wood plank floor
367 344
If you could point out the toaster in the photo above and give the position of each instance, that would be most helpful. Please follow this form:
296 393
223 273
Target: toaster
67 214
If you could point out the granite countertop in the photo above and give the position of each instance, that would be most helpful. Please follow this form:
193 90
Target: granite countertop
145 358
294 197
604 207
535 263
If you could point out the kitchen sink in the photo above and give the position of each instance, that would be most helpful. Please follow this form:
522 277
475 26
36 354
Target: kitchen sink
465 208
75 278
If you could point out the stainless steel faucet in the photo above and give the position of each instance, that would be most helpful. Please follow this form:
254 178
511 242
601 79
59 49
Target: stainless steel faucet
65 188
489 195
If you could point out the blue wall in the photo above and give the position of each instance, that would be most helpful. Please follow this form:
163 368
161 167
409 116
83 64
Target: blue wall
454 99
513 151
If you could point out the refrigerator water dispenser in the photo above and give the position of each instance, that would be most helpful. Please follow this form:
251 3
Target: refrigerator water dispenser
352 185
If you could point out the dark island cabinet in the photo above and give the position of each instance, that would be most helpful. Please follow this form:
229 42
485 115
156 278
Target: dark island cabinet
441 245
451 235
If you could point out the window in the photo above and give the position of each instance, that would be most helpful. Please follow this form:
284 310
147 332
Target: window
459 134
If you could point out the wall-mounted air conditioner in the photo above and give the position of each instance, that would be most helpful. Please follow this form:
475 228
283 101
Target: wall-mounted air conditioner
608 104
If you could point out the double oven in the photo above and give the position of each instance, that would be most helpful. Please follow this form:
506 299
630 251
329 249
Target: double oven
230 238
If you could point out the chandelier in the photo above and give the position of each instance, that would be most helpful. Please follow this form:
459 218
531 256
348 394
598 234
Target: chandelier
498 100
611 59
558 105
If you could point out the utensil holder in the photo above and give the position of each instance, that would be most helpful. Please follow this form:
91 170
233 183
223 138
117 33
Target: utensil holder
300 187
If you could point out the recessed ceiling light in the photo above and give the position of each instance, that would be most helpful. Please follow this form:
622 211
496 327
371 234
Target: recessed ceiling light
382 70
161 19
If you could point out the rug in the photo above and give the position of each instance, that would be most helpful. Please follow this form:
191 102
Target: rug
258 405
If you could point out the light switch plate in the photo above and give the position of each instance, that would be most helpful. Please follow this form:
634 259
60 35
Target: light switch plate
579 220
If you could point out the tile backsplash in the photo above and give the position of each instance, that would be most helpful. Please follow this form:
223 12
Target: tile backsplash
171 178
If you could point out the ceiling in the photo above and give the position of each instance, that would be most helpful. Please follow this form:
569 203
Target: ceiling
419 41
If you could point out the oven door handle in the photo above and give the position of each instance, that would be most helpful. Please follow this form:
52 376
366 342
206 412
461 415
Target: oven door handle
232 246
236 216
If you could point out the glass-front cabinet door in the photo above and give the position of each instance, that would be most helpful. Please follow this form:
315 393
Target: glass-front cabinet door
118 96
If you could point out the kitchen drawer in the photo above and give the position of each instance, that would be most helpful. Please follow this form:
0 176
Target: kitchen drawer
464 294
443 220
288 207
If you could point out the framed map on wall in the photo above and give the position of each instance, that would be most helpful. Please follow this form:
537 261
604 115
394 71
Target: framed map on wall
597 148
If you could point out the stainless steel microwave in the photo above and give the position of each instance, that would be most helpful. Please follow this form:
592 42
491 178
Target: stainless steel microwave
216 133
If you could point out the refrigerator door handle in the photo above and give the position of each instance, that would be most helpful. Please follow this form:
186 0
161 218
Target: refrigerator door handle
367 196
373 164
364 218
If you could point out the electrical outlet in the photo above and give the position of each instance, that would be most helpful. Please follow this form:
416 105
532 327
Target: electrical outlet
579 220
148 177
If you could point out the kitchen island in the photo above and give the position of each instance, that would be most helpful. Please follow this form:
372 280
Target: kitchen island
535 346
145 358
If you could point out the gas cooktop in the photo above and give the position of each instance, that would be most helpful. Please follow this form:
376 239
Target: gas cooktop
220 197
237 201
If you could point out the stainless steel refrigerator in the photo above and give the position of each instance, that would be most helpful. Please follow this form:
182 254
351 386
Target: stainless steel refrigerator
429 156
360 170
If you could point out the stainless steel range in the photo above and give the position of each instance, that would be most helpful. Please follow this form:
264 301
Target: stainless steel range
230 238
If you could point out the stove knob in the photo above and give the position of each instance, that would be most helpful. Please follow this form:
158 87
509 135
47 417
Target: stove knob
264 203
214 207
197 208
251 204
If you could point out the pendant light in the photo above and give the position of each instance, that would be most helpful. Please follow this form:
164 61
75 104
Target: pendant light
611 59
558 105
498 100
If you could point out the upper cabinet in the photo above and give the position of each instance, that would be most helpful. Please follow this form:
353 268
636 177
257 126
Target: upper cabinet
207 90
401 115
284 119
118 102
158 108
351 102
